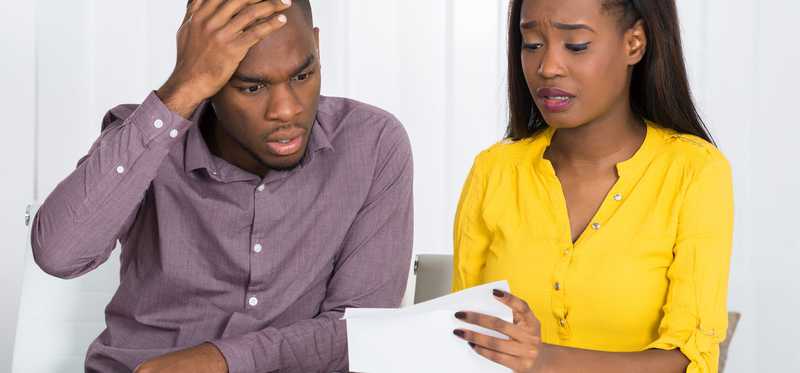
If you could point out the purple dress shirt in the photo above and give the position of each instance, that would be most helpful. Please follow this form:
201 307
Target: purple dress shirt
261 268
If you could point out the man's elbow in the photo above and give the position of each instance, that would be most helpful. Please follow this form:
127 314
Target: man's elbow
52 259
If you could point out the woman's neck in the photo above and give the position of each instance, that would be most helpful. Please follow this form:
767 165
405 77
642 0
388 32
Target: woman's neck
604 141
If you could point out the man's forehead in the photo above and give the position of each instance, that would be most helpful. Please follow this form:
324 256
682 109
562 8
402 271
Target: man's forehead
285 50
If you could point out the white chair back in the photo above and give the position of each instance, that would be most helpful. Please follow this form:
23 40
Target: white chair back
58 319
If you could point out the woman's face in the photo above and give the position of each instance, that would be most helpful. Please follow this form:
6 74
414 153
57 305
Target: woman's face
578 60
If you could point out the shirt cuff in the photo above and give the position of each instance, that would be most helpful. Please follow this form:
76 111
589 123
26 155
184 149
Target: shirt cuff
238 354
701 348
157 123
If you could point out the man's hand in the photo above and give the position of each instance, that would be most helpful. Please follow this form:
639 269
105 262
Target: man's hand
213 40
521 351
201 359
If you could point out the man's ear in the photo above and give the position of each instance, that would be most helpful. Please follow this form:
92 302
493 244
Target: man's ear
635 43
316 36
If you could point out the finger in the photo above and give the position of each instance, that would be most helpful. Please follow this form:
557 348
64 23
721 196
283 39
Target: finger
253 35
251 14
517 305
207 8
191 8
226 11
506 360
496 324
511 347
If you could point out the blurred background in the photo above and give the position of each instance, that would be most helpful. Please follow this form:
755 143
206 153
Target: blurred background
439 66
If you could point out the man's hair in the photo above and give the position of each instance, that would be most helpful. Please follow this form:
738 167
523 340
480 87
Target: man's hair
305 6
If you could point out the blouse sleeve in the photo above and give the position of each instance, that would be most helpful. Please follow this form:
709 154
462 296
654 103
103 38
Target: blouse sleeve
695 312
471 237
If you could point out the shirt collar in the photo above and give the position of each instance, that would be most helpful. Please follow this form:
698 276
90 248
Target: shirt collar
197 155
638 161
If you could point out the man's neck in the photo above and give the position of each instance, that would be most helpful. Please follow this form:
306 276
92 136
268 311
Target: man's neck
222 145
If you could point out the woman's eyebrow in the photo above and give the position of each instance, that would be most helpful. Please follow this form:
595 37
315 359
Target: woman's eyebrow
558 25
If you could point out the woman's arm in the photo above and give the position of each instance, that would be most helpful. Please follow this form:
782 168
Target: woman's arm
525 353
557 359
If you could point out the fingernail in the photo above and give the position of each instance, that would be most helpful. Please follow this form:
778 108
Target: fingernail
498 293
471 345
282 18
461 315
287 2
459 333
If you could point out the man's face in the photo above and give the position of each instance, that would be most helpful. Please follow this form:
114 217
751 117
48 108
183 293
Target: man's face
267 109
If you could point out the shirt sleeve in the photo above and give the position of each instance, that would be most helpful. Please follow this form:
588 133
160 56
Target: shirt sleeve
695 313
79 223
471 237
371 271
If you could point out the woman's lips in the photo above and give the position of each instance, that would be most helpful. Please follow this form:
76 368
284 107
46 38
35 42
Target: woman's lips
555 100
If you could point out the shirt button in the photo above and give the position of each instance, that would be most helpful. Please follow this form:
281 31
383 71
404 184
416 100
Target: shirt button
173 133
566 252
618 197
557 286
596 226
253 301
562 322
257 248
158 123
120 169
261 188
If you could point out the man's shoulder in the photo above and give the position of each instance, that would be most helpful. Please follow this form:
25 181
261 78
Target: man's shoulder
343 115
118 114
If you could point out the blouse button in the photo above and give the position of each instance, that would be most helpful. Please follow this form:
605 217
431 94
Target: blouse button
596 226
618 197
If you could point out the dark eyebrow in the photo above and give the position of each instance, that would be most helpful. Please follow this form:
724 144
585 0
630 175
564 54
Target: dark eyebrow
575 26
262 80
558 25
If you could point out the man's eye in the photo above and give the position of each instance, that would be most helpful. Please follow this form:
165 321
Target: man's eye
252 89
302 77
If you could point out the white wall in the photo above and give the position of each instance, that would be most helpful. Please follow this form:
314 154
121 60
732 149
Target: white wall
439 66
17 82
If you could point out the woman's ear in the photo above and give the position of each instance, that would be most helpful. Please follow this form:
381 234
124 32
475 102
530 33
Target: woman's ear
635 43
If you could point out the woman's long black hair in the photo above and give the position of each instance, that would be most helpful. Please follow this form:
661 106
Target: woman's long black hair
660 85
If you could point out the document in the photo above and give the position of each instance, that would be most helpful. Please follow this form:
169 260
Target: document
420 338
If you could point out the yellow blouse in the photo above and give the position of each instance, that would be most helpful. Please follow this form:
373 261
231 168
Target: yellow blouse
650 271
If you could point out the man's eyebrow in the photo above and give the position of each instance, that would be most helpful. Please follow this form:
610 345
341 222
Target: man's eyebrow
558 25
263 80
308 62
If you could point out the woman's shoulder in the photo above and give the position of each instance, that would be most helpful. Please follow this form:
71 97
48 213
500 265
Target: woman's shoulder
693 152
508 154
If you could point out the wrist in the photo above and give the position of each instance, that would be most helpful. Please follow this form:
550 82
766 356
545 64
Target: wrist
179 99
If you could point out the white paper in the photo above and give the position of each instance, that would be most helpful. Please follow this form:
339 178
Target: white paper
420 338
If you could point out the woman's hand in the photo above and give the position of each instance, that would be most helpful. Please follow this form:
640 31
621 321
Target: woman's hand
518 353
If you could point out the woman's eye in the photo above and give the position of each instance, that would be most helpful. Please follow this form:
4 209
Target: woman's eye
532 46
578 47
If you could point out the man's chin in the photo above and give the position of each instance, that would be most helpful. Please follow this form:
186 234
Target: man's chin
285 164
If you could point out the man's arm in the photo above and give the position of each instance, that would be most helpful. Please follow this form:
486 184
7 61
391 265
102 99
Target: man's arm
371 271
78 225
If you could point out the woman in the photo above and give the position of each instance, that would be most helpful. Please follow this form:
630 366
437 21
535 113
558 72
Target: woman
608 209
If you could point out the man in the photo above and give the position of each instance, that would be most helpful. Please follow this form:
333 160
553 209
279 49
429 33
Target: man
251 210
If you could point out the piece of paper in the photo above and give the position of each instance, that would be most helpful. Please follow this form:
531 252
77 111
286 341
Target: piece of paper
420 338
